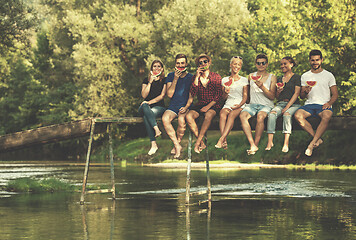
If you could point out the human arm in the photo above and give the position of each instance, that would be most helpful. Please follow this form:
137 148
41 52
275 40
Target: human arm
334 96
207 107
269 93
244 98
146 86
171 86
158 98
293 99
187 105
305 91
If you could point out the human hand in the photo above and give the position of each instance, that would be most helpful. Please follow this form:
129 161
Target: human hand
236 106
145 102
183 110
307 89
326 106
177 74
227 89
204 109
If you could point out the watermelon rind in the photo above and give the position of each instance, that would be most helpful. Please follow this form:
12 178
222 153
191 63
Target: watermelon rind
181 69
156 75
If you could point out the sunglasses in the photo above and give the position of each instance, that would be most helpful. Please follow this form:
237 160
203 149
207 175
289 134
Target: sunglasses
238 57
261 63
203 62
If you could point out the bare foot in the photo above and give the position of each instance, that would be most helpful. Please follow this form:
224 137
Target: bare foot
320 141
197 148
152 151
158 133
177 150
269 146
285 149
309 150
219 144
252 150
202 146
173 151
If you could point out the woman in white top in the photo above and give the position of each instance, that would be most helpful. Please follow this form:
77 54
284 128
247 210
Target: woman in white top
262 93
236 90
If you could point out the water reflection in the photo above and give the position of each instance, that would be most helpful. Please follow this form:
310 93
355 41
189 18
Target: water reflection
111 211
263 204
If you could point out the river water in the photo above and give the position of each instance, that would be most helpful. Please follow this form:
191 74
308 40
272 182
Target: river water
246 204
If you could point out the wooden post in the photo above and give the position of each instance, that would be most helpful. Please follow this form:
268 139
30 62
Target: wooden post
187 186
207 168
111 156
86 171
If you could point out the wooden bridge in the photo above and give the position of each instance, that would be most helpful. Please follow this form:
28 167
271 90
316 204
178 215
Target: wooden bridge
91 126
82 128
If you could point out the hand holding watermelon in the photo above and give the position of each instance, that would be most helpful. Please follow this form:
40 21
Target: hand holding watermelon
155 74
280 84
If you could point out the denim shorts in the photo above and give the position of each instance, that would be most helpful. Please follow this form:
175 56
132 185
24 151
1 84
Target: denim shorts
254 108
314 109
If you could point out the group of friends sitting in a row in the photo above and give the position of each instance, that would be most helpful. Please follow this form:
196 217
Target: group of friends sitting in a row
228 97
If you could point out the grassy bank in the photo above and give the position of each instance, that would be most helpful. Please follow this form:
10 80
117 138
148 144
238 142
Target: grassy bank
336 150
45 185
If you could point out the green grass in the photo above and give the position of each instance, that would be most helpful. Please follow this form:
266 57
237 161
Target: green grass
47 185
34 185
337 150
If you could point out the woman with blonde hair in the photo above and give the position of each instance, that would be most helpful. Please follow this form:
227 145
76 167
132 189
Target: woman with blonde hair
236 91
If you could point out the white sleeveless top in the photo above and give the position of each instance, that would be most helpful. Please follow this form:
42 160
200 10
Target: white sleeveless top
256 94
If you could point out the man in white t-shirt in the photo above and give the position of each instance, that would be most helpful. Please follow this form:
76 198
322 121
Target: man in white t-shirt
320 90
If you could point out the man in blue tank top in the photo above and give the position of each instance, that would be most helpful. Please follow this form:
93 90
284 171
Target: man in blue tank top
178 85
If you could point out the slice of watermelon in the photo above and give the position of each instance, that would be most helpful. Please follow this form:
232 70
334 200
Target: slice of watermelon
256 78
280 84
228 83
156 73
182 69
311 83
205 67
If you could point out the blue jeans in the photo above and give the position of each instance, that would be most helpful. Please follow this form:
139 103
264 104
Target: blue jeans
287 119
149 118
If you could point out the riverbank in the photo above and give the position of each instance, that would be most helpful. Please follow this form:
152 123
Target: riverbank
337 150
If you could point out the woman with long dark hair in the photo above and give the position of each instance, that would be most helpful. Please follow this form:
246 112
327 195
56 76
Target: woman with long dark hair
153 92
287 92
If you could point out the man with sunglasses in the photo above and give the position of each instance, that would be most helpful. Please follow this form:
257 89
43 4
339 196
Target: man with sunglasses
206 86
178 86
320 90
262 93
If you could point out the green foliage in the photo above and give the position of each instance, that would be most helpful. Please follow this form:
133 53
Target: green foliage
15 19
88 58
33 185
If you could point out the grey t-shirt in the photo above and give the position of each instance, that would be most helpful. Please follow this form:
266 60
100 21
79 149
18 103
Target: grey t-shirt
289 88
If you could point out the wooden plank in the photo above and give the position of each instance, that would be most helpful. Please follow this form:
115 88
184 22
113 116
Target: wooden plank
75 129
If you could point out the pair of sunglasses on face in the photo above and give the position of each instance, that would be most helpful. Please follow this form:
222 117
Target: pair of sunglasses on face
203 62
261 63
